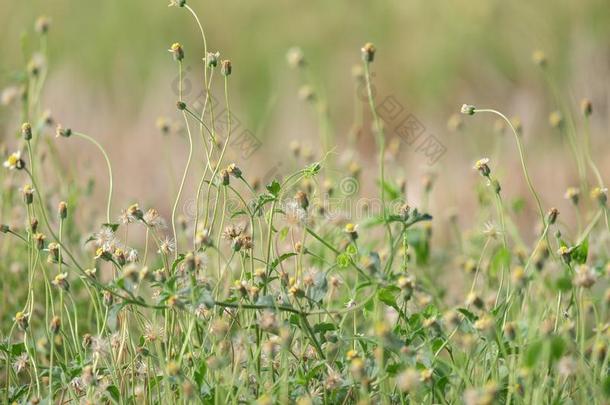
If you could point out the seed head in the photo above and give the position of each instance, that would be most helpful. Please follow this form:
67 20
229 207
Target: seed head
586 107
26 131
42 24
212 59
368 52
62 210
177 51
539 58
482 166
181 105
22 320
28 194
468 109
4 228
585 276
555 119
295 57
61 281
55 325
600 195
301 198
552 215
39 240
177 3
224 177
408 380
226 68
572 194
61 131
234 171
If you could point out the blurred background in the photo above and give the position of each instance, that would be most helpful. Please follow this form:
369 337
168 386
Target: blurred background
111 76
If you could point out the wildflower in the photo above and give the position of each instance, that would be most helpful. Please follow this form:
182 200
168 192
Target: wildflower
482 166
484 324
551 216
42 24
585 276
62 132
34 225
295 215
566 366
224 177
301 198
468 109
600 195
518 276
163 125
368 52
153 219
509 330
62 210
108 298
565 253
167 246
491 231
586 107
539 58
212 59
61 281
475 300
39 240
87 341
21 363
555 119
14 161
55 325
26 131
426 375
53 252
134 212
295 57
572 194
351 230
599 351
22 320
203 238
226 68
306 93
177 3
234 171
28 194
231 232
177 51
408 380
153 333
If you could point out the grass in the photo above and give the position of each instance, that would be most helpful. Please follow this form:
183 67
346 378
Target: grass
266 295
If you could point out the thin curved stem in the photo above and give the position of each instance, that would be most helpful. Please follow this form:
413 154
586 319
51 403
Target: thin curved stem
110 178
521 157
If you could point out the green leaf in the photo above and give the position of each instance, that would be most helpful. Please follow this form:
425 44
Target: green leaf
343 260
387 295
564 284
580 252
557 346
469 315
274 188
501 259
280 259
323 327
532 355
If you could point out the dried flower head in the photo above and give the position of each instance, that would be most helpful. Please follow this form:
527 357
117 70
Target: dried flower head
177 51
468 109
368 52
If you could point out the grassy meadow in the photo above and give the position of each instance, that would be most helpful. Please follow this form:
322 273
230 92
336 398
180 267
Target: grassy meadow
322 202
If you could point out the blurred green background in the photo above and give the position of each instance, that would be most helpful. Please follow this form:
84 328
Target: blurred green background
111 74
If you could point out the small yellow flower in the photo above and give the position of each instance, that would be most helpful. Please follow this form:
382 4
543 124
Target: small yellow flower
14 161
